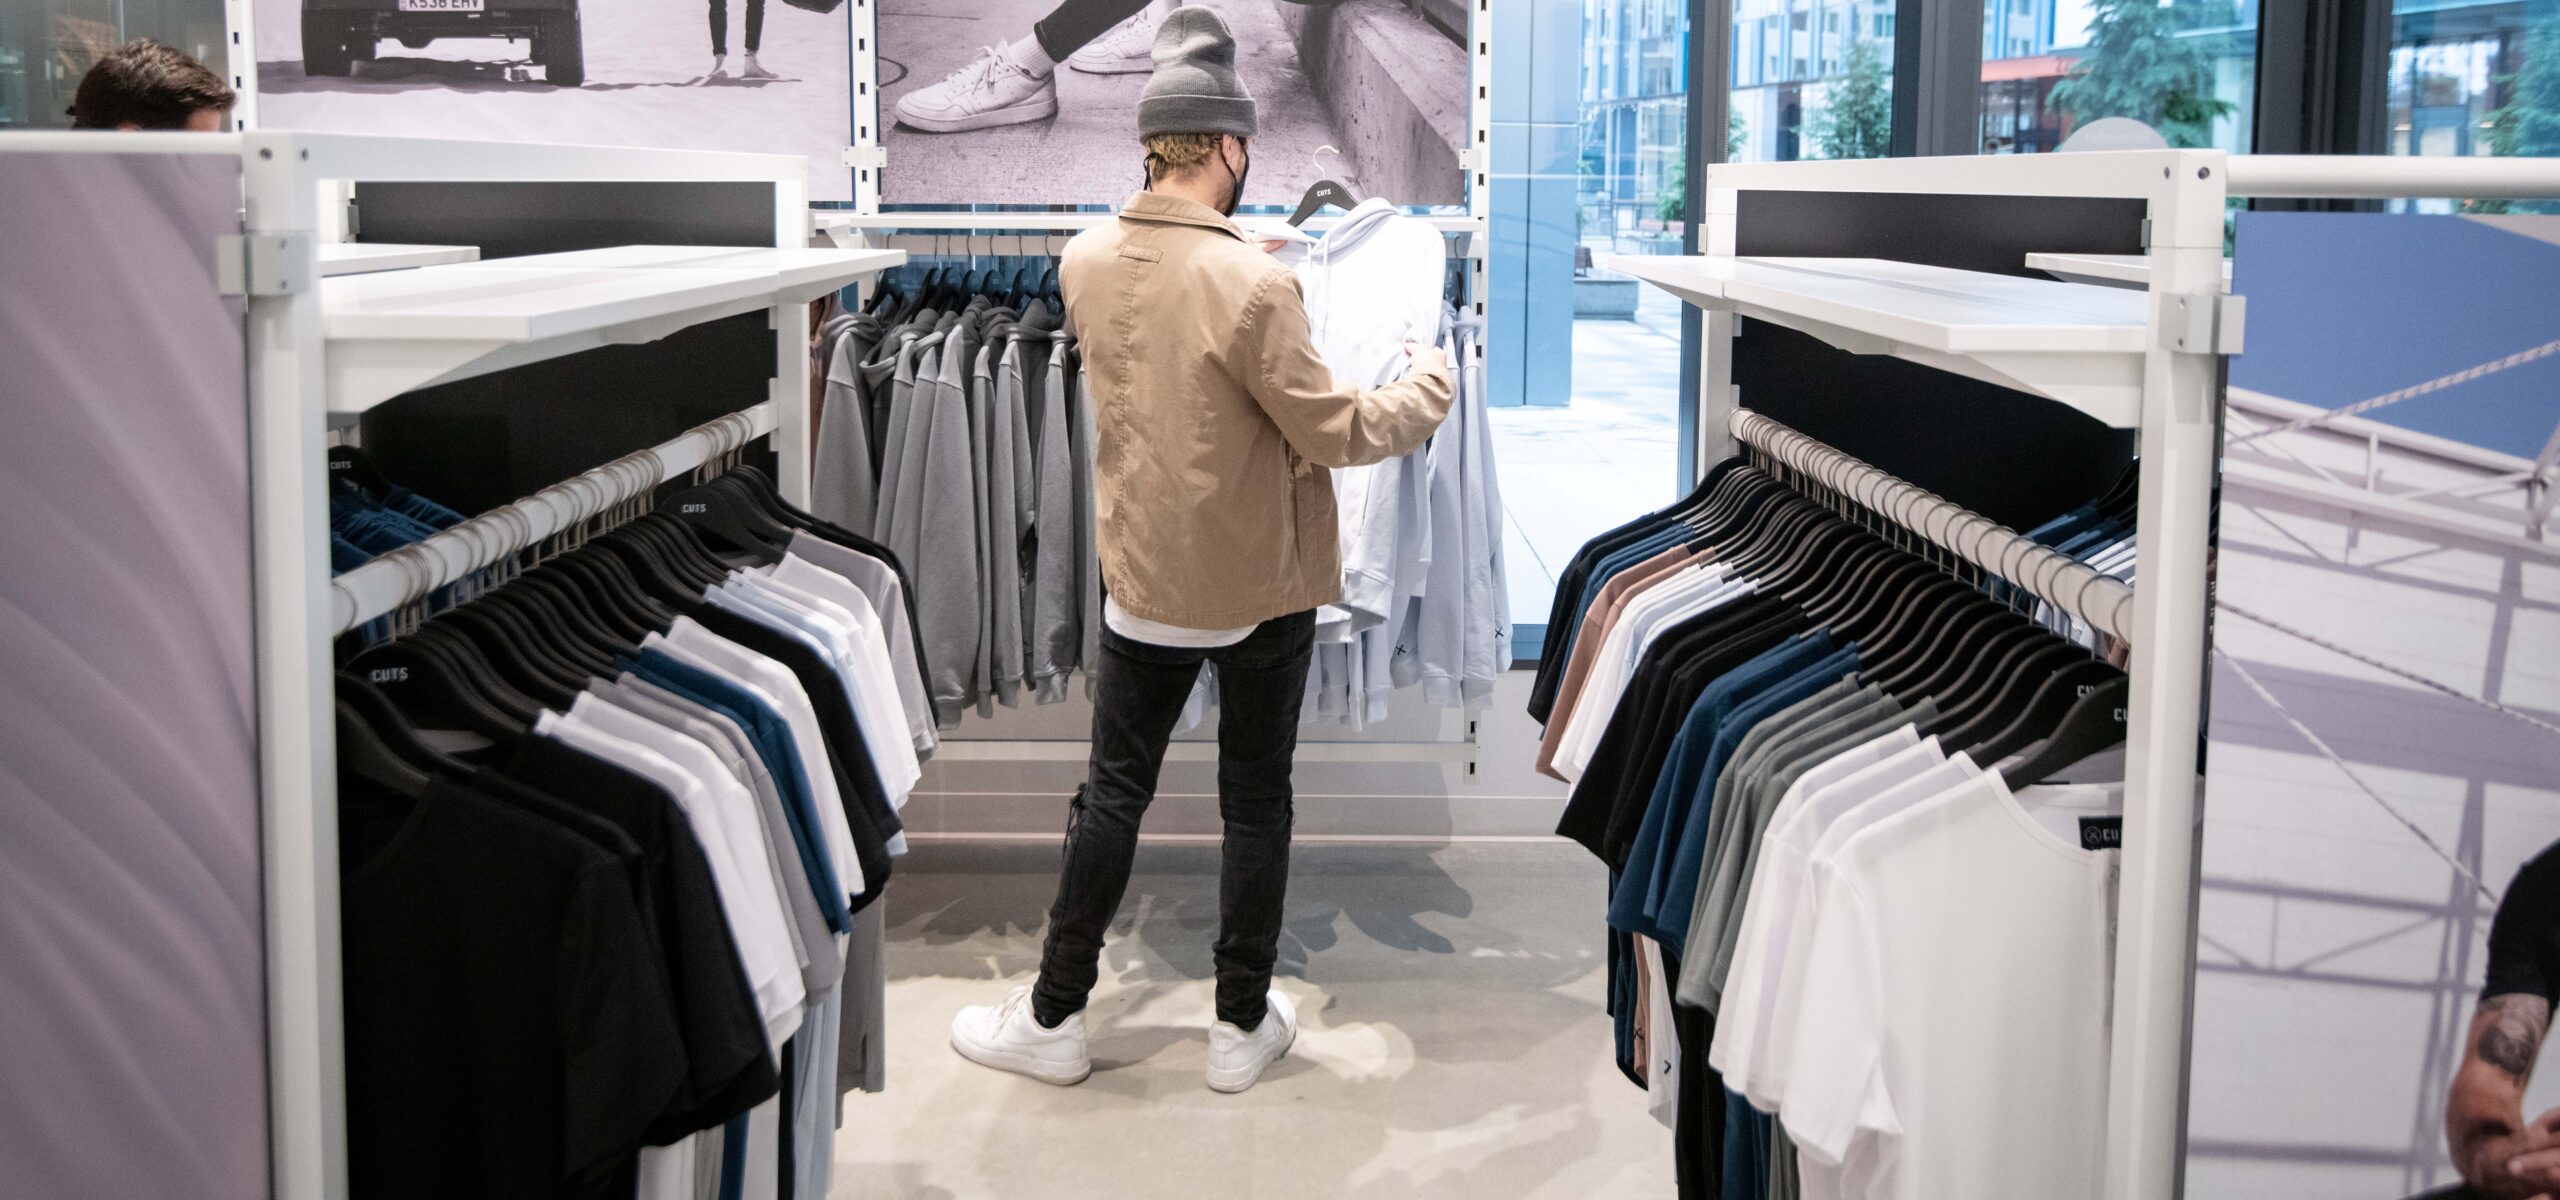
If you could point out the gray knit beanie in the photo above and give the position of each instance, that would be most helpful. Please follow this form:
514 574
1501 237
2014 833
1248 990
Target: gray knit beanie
1194 88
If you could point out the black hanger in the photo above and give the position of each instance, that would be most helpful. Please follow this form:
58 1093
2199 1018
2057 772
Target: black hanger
1319 194
363 753
434 688
1876 598
2053 699
524 665
1918 620
1960 626
726 518
2095 722
388 723
2011 692
616 596
1880 571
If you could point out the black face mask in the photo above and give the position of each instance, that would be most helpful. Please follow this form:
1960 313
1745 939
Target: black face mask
1236 195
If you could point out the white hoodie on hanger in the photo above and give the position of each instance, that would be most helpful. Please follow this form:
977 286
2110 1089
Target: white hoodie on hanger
1372 283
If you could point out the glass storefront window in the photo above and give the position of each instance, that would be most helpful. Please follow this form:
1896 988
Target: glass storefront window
1811 79
1588 385
2475 77
47 45
2188 68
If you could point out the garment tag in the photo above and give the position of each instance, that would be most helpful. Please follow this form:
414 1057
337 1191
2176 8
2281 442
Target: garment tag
2102 833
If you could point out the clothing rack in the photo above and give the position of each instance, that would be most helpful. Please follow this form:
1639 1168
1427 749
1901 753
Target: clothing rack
405 576
2101 601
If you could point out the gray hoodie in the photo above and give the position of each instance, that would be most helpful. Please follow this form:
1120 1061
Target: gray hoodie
844 487
1056 584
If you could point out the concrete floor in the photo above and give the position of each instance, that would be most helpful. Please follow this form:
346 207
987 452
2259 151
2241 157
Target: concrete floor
1453 1040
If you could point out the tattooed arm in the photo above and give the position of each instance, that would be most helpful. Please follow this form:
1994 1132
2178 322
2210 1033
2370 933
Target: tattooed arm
2484 1117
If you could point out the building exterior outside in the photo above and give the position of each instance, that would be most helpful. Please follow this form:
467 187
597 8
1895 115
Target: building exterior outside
1634 111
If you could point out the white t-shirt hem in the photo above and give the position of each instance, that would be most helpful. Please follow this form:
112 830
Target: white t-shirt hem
1157 633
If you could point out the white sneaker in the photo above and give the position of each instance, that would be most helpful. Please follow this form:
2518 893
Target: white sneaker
1008 1038
719 67
990 91
1127 48
1237 1058
755 70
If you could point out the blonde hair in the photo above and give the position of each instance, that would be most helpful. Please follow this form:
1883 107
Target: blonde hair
1170 154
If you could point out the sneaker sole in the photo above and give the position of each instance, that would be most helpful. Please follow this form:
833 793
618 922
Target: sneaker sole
1019 114
1028 1068
1230 1085
1125 66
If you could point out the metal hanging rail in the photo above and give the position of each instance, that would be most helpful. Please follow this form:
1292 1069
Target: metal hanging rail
2102 601
411 573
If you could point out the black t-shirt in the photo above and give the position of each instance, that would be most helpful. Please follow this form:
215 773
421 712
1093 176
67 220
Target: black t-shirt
728 1068
2524 938
506 1034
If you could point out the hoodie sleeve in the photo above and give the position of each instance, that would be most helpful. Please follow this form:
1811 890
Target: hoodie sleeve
1332 425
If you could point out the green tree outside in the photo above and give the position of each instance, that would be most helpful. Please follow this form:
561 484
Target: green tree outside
2138 67
1857 114
2528 124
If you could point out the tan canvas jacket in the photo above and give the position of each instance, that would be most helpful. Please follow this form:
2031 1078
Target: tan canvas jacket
1216 420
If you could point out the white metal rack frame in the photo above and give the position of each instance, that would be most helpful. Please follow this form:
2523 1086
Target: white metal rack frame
1954 320
322 346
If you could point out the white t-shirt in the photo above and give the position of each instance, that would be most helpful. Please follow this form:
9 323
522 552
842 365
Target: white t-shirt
1770 896
880 585
1688 592
1956 997
1787 955
1157 633
870 682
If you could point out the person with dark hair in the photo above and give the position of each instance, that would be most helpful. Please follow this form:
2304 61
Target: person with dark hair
2500 1154
145 85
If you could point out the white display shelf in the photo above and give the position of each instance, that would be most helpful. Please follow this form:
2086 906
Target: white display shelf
394 332
801 273
2113 270
358 258
2078 344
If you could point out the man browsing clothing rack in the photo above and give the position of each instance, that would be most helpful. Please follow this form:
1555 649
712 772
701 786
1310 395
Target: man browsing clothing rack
1216 422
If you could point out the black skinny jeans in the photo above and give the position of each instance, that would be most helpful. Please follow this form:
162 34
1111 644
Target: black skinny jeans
720 26
1262 684
1075 22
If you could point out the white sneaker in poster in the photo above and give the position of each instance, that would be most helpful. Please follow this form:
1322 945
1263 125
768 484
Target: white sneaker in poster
1237 1058
988 92
1127 48
755 70
1007 1037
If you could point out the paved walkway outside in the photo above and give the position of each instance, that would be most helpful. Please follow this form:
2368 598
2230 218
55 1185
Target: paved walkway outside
1569 473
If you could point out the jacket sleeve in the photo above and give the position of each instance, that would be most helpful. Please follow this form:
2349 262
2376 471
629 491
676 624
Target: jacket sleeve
1329 423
